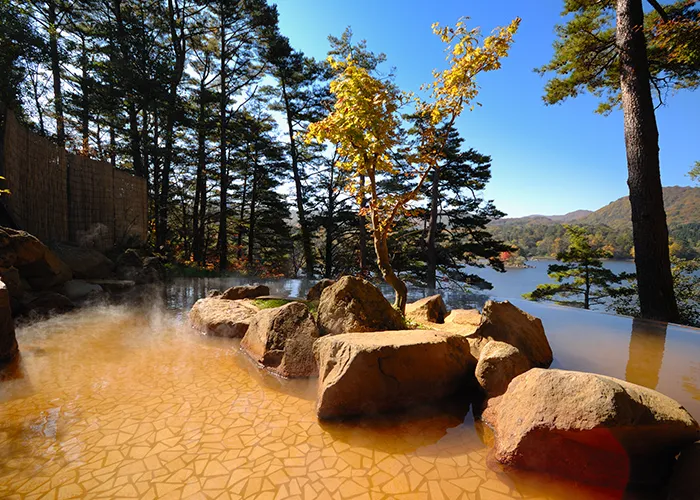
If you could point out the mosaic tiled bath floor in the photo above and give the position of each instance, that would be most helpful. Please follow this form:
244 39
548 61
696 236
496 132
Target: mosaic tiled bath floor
117 404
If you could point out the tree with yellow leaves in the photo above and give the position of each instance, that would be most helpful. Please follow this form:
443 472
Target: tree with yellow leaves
365 124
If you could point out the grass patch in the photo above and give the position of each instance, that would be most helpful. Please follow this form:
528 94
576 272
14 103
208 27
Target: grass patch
270 303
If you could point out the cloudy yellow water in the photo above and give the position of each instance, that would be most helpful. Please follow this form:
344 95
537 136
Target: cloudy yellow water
120 403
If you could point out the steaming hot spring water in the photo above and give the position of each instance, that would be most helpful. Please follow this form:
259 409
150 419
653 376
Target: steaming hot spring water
129 402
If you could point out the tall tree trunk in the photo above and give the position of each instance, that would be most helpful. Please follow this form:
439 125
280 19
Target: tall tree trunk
200 182
656 296
381 248
362 226
251 222
431 250
85 98
56 72
222 241
329 224
135 140
241 217
179 46
305 232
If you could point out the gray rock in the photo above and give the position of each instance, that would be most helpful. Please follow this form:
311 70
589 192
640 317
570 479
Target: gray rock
86 263
79 289
281 339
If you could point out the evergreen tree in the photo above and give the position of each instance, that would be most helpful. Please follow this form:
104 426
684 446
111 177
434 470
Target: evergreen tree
581 279
610 49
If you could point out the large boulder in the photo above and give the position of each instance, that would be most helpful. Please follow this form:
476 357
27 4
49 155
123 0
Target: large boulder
315 292
222 318
47 303
80 289
8 341
471 317
498 364
38 265
355 305
504 322
142 270
85 263
427 310
588 428
245 292
281 339
371 373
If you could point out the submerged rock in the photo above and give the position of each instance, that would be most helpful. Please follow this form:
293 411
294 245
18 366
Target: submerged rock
380 372
85 263
222 318
498 364
47 303
79 289
427 310
38 265
355 305
504 322
8 341
316 290
281 339
588 428
245 292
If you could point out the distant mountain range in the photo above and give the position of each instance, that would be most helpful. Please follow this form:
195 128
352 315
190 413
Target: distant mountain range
611 226
682 207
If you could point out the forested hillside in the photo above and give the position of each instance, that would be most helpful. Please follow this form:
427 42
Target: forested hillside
544 236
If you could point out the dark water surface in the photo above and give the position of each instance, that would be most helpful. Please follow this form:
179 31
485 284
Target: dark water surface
125 402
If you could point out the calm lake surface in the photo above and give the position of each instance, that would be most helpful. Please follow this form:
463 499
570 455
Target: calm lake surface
127 402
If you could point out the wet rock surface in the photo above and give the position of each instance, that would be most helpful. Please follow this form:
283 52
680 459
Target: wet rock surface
37 265
245 292
355 305
382 372
281 339
86 263
222 318
427 310
8 341
589 428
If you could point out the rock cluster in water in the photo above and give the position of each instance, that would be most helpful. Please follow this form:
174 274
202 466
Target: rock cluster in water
39 281
580 426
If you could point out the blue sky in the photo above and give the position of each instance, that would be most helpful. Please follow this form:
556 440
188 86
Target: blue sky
546 159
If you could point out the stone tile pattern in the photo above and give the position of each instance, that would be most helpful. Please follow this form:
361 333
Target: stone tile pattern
124 405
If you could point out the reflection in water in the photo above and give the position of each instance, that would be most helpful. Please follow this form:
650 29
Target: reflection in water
647 343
